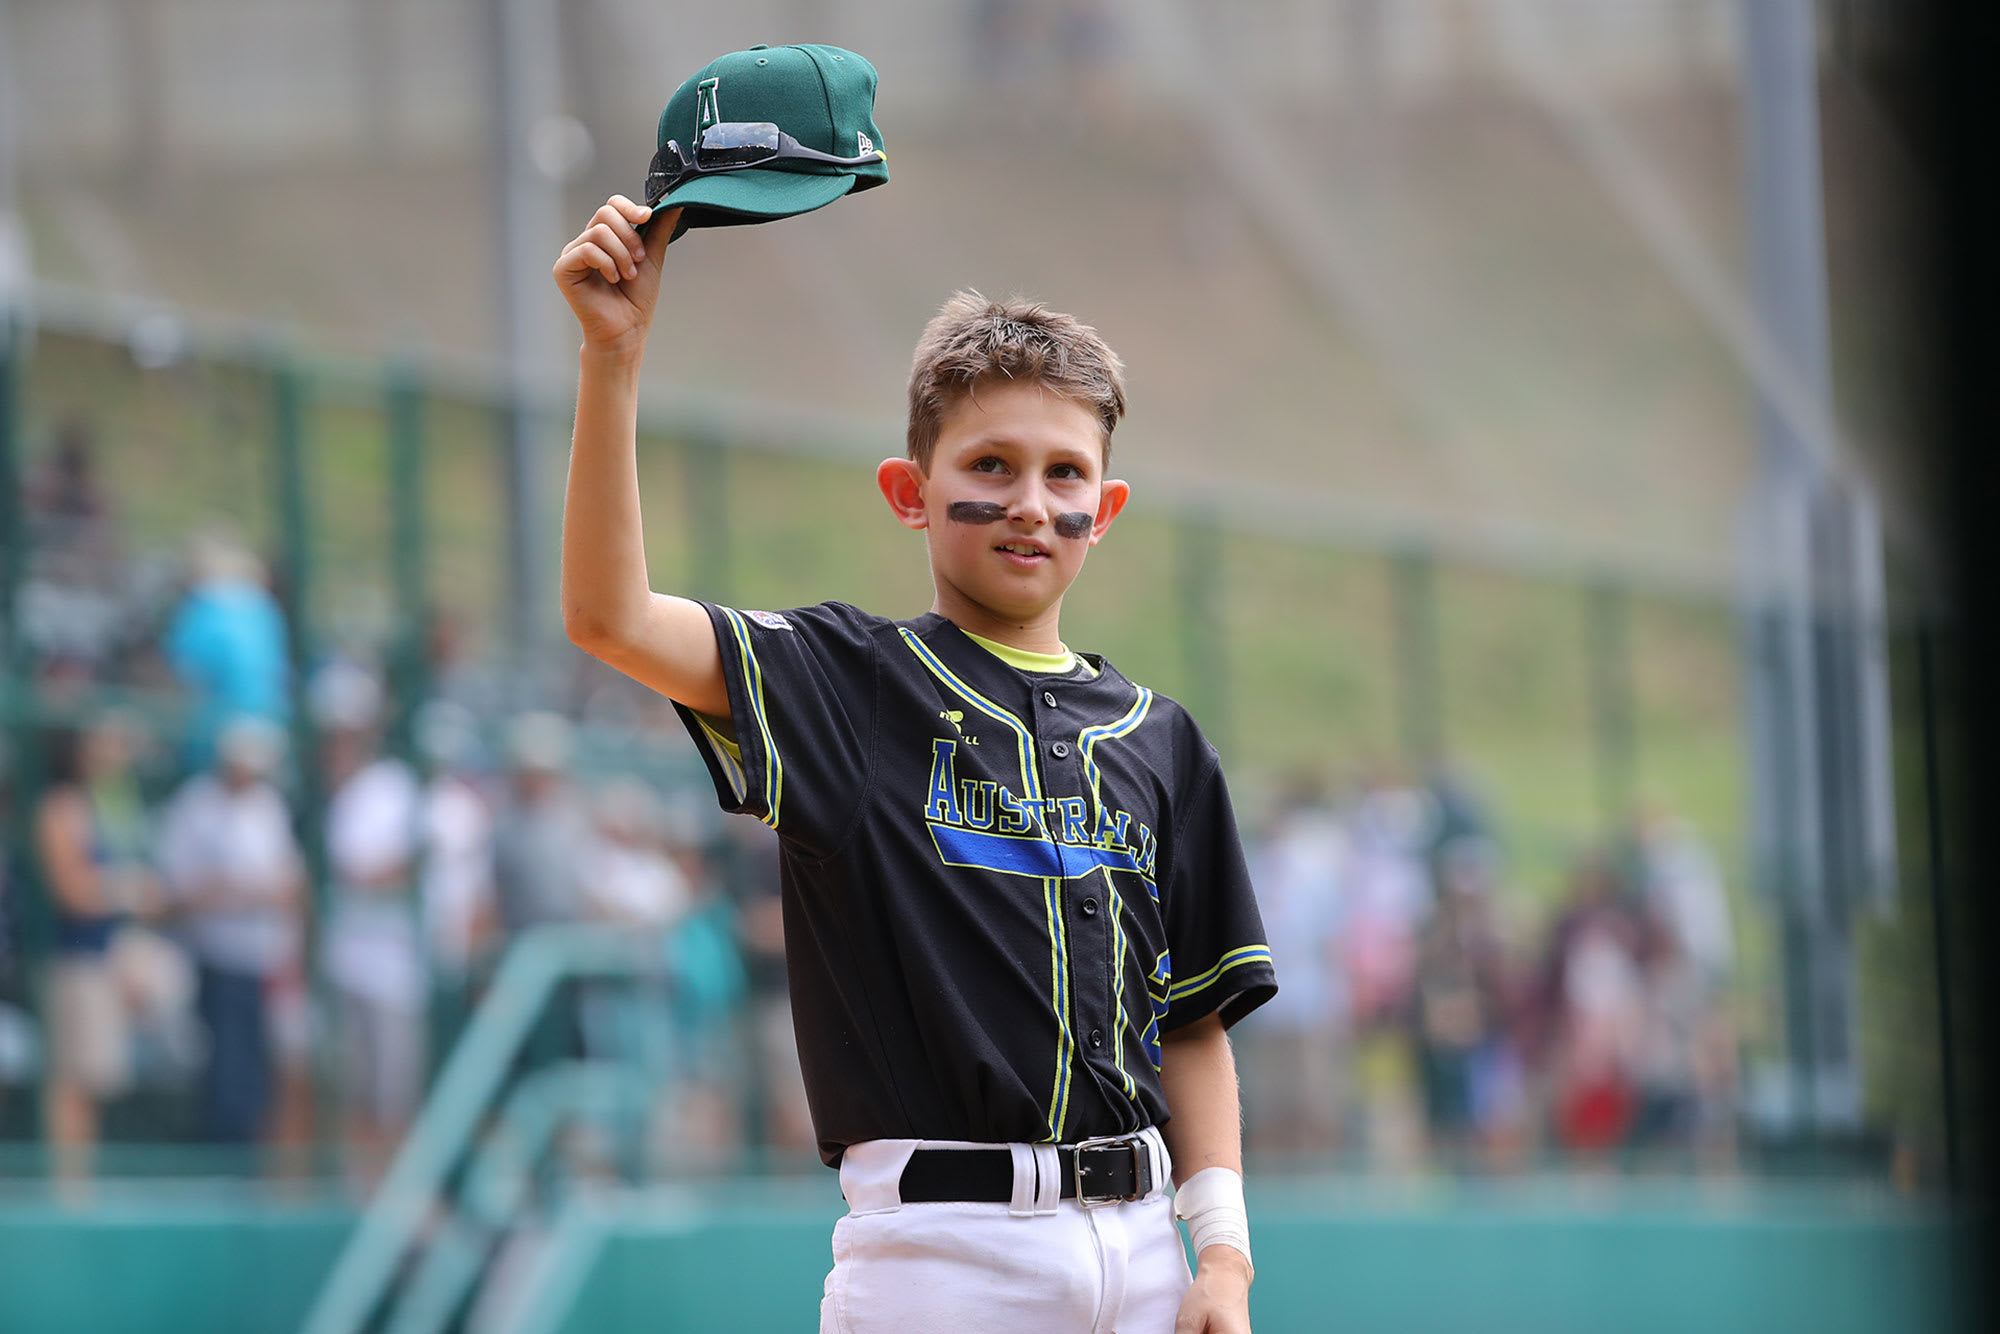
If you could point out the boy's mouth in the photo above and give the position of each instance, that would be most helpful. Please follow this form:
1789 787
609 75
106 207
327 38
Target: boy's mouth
1022 549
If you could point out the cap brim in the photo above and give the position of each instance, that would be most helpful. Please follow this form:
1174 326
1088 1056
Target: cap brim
753 196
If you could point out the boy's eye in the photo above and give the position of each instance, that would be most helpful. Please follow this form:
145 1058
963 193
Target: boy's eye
1067 470
989 464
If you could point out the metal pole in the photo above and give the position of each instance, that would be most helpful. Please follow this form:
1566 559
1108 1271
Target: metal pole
524 46
288 391
14 278
17 675
294 490
408 669
18 704
1818 692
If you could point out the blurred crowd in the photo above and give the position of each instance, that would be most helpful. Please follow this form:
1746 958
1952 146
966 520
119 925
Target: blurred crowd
180 922
182 950
182 909
1428 1016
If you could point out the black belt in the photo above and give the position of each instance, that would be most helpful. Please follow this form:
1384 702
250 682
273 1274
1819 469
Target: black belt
1111 1170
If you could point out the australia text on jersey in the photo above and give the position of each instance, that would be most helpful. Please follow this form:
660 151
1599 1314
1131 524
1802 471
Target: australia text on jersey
982 823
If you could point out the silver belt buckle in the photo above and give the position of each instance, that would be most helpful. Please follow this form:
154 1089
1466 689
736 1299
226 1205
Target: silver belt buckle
1142 1164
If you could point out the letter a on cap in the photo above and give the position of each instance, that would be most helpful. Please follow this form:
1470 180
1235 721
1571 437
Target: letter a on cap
706 113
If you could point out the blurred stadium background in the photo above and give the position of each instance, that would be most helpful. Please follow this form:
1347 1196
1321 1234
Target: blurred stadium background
1523 396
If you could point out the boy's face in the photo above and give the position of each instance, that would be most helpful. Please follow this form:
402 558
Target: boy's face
1014 499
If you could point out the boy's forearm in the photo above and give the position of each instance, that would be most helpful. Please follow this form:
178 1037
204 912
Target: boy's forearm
1198 1075
604 586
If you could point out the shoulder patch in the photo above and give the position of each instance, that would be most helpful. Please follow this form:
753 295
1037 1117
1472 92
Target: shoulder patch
770 620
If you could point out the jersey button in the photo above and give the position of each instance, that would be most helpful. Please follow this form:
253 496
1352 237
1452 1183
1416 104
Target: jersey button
1049 698
1090 907
1060 750
1097 1037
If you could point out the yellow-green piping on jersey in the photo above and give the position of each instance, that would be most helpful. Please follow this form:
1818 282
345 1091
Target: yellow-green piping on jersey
1161 976
1236 958
1118 946
1030 778
1059 978
1051 888
731 754
753 687
1087 739
1043 664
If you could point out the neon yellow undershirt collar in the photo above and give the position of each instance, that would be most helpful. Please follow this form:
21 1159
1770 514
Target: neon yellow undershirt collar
1048 663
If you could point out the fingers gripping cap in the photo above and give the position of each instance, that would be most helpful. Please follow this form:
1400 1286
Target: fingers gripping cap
823 96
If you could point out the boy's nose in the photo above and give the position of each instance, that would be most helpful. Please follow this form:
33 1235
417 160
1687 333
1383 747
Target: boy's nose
1030 506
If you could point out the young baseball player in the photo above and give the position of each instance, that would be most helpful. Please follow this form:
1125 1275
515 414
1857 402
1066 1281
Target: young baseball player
1017 918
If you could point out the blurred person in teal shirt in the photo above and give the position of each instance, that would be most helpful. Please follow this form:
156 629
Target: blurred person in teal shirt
227 645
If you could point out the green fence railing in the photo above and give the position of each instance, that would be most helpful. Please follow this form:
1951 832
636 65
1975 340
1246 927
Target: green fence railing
417 1187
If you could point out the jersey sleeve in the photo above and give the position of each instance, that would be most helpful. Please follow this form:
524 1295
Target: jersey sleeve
1220 958
795 749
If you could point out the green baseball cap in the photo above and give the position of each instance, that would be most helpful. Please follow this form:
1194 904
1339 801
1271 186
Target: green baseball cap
822 96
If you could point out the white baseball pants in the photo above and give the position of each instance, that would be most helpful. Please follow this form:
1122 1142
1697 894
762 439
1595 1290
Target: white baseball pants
1038 1264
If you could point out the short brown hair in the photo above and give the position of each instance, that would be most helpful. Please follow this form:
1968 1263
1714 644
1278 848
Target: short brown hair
972 341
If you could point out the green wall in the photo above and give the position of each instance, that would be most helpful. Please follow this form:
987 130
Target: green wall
1448 1264
136 1267
1332 1255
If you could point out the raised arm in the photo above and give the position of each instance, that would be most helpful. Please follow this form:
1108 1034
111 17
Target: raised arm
611 279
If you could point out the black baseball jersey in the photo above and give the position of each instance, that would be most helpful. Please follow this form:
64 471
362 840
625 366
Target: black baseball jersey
1000 886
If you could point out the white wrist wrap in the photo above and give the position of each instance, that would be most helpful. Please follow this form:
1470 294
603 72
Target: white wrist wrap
1211 1201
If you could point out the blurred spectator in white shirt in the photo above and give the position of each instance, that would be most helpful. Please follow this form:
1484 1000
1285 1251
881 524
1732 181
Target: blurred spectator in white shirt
457 876
1683 890
1687 1074
372 950
628 877
236 879
1295 1050
1388 897
543 828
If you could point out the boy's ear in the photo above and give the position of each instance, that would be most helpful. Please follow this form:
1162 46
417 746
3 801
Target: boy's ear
902 483
1109 504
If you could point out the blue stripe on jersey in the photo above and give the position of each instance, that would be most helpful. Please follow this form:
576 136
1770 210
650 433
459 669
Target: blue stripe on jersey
1017 854
1234 959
